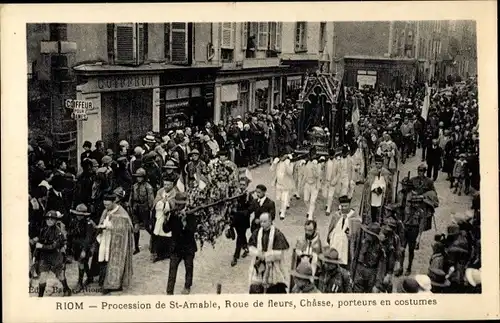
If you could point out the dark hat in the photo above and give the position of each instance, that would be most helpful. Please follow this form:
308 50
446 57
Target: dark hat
409 285
109 197
181 198
222 153
379 158
455 249
344 199
52 214
330 256
406 181
81 209
438 278
372 228
303 271
87 144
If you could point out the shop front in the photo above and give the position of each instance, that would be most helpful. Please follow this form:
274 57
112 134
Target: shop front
121 106
186 98
293 86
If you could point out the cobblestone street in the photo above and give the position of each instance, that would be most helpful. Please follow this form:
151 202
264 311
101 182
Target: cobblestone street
212 265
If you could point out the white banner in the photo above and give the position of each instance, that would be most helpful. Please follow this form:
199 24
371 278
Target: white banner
229 93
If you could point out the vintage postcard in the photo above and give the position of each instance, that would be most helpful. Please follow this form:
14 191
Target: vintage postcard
179 161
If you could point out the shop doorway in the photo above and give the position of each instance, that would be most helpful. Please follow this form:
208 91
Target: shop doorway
126 116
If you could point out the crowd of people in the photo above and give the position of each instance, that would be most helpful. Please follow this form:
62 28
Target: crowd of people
96 217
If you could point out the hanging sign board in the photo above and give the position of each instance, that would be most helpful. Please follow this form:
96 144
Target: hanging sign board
80 108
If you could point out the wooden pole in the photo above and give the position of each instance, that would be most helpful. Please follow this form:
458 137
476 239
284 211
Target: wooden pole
219 288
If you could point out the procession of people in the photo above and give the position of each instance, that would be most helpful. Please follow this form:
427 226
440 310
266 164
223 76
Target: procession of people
96 217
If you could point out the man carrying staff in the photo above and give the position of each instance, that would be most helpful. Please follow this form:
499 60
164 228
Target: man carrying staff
369 263
141 203
333 278
267 246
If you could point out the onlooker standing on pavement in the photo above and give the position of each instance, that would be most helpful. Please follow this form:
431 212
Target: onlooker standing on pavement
262 204
182 225
434 159
240 221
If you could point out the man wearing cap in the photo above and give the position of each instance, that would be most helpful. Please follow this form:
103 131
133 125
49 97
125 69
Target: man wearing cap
141 202
434 158
153 171
333 278
48 244
377 192
267 246
80 239
369 262
182 226
339 229
303 278
87 151
115 246
282 170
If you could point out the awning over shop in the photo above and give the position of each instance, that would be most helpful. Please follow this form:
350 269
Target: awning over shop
261 85
229 92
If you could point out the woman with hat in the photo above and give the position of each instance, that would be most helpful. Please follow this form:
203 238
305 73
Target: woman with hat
115 246
333 278
80 239
141 202
304 279
48 251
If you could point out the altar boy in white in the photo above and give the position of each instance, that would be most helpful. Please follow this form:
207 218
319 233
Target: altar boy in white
339 229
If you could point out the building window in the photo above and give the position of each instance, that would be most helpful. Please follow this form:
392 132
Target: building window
322 36
301 36
127 43
263 36
275 36
176 42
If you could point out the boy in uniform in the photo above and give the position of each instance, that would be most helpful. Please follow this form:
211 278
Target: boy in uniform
48 246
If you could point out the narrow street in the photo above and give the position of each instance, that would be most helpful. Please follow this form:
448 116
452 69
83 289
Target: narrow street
212 265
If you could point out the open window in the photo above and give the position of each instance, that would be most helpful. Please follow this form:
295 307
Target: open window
129 43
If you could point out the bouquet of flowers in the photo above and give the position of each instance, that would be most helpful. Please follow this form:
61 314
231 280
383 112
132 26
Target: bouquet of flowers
212 203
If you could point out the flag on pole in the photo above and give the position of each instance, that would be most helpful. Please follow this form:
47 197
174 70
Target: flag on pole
427 102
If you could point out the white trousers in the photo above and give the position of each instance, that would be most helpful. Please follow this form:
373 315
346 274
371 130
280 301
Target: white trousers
284 197
310 195
330 198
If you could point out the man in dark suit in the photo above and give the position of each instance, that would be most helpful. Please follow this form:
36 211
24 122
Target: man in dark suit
183 247
240 221
434 157
262 204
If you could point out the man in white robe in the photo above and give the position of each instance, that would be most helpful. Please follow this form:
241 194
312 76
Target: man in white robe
339 229
332 176
312 184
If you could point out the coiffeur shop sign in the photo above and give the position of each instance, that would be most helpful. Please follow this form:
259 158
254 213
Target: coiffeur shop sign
79 109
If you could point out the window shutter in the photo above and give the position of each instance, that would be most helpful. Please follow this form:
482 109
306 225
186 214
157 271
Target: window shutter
178 42
167 41
244 35
277 46
124 44
227 35
297 36
262 35
141 43
272 35
110 33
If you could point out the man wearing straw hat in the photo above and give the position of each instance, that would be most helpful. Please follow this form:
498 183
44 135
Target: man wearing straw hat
48 246
80 238
304 280
333 278
149 142
369 263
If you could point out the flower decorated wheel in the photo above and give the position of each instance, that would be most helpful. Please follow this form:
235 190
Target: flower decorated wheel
212 203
